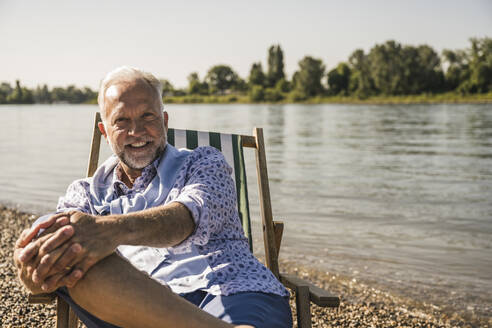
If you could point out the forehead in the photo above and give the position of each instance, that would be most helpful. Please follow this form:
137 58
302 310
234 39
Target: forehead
130 96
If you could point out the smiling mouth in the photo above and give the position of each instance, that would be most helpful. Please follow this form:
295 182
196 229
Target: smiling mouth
139 145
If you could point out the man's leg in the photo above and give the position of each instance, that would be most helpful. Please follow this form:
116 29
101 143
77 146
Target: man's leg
115 291
254 308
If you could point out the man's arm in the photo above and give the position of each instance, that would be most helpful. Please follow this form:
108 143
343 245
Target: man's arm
206 200
98 236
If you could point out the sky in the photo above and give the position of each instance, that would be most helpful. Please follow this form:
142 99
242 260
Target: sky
62 42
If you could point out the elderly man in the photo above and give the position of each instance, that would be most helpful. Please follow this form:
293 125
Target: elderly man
154 238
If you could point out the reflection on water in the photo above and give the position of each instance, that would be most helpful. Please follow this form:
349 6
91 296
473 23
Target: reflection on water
398 194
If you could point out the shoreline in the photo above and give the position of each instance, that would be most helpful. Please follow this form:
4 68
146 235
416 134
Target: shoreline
423 99
362 303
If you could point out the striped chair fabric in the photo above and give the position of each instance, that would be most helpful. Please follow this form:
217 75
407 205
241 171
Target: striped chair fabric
231 147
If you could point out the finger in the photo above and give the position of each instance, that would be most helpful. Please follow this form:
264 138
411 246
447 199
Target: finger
17 262
65 278
56 239
52 283
46 263
60 222
35 229
74 277
19 241
69 257
30 251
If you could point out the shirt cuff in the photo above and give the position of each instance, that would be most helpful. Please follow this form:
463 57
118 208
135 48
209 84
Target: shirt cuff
200 215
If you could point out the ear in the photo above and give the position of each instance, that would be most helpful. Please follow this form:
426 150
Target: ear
166 119
101 127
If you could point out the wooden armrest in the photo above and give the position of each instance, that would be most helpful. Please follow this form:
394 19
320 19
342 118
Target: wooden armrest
41 298
317 295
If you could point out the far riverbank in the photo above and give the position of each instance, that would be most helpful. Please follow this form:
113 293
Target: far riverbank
362 304
444 98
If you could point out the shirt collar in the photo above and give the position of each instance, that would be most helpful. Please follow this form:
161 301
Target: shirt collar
148 173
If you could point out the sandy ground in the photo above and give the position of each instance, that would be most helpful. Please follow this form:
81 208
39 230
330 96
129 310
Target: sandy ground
362 305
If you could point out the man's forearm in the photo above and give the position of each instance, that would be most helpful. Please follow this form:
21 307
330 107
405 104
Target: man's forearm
162 226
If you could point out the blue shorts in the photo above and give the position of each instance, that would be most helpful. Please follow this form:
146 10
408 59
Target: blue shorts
250 308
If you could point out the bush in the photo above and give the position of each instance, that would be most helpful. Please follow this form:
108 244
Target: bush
273 95
257 93
297 96
283 86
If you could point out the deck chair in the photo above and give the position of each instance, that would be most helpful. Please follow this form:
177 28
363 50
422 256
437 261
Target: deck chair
231 146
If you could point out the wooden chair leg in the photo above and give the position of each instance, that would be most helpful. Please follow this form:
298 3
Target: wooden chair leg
62 313
73 320
65 316
303 306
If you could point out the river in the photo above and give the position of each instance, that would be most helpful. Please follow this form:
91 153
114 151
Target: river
399 195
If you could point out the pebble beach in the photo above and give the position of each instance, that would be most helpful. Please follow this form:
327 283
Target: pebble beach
362 305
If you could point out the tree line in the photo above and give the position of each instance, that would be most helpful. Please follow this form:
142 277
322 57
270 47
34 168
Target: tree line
19 94
387 69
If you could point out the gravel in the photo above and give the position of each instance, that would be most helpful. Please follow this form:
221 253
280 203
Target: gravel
362 305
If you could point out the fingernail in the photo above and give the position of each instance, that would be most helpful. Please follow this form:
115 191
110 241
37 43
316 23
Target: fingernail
77 274
76 248
44 287
23 256
35 278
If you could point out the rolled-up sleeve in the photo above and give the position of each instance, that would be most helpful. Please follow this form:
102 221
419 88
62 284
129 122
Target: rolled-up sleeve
76 198
209 194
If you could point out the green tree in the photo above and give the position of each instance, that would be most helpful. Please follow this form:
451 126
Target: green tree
273 95
167 88
256 75
458 68
421 70
339 79
58 95
221 78
283 86
387 68
257 93
194 84
361 83
429 75
5 91
42 95
275 65
240 85
89 95
308 78
20 95
480 65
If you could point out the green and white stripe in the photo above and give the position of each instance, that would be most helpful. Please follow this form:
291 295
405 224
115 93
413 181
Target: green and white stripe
231 147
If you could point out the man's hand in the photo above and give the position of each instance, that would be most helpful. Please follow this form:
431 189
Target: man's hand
93 240
24 261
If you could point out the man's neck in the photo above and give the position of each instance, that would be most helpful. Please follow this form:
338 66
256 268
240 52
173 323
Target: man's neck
129 175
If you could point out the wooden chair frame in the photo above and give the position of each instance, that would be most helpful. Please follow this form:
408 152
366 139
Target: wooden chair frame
305 292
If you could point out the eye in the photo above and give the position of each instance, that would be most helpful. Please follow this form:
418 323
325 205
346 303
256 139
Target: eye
148 116
120 121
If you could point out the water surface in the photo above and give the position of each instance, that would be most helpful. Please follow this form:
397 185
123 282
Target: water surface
400 195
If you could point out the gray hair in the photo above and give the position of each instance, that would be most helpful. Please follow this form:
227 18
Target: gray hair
122 74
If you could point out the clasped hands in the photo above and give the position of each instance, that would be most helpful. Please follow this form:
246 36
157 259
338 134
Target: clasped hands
60 256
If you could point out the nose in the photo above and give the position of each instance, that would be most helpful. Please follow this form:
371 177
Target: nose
137 128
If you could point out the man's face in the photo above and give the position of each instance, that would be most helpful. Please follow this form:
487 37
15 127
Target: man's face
135 126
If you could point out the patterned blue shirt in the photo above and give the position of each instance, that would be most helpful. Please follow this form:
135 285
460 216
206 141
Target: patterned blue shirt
216 257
